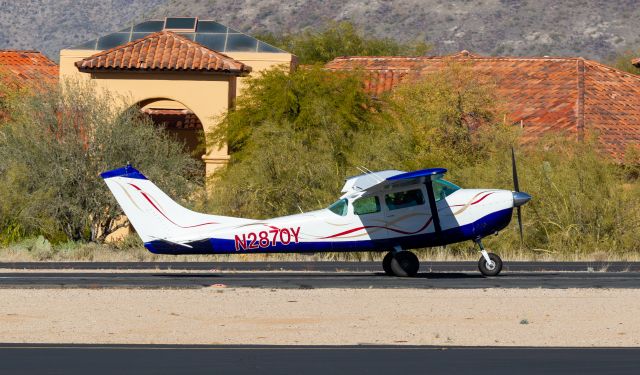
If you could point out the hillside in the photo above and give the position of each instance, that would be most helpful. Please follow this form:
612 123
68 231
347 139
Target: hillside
592 29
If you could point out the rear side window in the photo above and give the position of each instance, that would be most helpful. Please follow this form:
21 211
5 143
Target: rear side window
366 205
404 199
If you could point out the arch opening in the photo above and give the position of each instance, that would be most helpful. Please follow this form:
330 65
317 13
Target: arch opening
179 122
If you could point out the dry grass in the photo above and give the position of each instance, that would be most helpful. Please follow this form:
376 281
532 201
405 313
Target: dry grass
37 250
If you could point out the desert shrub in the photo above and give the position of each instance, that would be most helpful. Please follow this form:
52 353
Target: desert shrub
583 200
53 148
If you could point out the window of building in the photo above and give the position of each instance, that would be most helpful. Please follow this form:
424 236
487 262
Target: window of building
404 199
180 23
366 205
340 207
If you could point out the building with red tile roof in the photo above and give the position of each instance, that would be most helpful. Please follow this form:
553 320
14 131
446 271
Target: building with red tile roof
26 67
182 72
162 51
544 94
636 62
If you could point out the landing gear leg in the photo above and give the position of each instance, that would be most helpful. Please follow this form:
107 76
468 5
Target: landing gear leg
489 264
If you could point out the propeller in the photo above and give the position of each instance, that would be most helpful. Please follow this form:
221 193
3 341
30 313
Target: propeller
516 189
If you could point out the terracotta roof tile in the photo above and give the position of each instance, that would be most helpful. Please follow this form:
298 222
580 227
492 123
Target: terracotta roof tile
162 51
636 62
22 67
570 95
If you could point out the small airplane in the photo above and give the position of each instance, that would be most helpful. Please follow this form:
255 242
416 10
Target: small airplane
389 210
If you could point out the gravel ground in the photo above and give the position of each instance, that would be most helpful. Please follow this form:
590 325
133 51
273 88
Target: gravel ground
497 317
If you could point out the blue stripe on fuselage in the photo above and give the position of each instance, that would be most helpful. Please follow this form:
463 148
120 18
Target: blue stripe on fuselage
483 227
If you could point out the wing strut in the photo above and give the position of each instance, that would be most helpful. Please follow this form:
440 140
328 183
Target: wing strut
432 204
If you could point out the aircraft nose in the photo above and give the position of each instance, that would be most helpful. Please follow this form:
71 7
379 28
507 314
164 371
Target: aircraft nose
520 198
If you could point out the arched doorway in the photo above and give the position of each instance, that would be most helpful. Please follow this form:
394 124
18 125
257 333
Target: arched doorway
178 121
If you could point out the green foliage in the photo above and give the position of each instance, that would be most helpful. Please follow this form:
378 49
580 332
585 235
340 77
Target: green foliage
53 148
583 202
441 119
290 137
307 100
622 61
340 39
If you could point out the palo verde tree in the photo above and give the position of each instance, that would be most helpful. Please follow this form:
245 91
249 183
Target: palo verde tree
290 137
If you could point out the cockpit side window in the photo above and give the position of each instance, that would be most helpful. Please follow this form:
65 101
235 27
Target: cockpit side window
366 205
404 199
340 207
443 188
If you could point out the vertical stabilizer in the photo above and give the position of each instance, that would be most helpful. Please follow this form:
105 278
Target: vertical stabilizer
153 214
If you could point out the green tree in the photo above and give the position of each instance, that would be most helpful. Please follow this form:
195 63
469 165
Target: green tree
341 39
54 146
290 138
439 119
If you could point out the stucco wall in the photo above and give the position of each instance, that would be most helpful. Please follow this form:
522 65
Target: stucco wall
207 95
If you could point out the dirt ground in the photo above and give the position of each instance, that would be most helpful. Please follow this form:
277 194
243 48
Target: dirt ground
537 317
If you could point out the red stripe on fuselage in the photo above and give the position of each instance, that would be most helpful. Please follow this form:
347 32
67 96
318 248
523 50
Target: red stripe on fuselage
377 226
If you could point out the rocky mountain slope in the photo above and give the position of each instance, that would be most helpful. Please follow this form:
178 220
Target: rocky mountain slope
591 28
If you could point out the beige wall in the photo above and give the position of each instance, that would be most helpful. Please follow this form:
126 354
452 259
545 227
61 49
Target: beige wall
260 61
206 95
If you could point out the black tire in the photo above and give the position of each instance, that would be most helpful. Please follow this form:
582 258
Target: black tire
405 264
488 271
386 263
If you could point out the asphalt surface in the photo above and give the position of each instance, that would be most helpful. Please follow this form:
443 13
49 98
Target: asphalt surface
449 275
145 359
328 266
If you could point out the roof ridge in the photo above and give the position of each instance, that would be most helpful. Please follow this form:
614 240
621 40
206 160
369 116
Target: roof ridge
469 57
612 68
171 43
153 35
21 50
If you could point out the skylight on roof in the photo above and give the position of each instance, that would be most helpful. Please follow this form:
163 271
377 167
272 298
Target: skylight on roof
187 24
210 34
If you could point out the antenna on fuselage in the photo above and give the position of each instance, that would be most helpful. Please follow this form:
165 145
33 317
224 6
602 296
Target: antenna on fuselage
369 171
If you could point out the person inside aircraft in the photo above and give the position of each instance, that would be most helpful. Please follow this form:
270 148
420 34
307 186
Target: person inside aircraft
404 199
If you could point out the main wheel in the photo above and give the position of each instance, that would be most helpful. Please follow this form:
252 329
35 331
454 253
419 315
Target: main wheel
386 263
405 264
490 269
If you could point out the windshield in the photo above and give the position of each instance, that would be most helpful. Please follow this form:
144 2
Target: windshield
339 207
443 188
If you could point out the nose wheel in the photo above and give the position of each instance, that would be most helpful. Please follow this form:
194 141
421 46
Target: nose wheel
489 264
401 263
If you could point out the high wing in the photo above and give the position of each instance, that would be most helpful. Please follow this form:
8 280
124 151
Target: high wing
376 181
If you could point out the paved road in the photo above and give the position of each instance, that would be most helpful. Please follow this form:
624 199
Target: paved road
322 266
312 280
144 359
